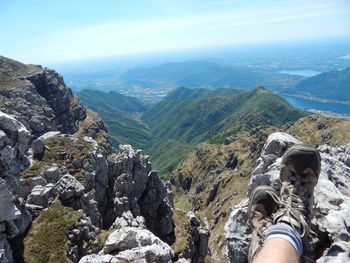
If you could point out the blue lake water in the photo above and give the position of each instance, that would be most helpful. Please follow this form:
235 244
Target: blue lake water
301 72
317 105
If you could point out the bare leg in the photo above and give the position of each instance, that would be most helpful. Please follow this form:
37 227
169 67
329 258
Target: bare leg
277 250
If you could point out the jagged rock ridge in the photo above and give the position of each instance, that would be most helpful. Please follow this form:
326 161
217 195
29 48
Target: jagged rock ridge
54 152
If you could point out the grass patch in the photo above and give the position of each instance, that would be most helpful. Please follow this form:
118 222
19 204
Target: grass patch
47 238
183 203
62 151
103 235
317 130
182 232
166 155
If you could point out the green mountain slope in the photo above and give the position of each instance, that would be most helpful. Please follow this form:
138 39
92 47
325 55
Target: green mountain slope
203 114
120 113
111 101
166 154
329 85
171 129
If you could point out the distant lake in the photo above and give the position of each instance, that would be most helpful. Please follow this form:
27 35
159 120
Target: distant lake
301 72
318 105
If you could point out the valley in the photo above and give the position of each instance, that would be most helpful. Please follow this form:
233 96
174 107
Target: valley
167 131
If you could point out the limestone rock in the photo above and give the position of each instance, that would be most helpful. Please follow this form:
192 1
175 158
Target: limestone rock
26 185
38 147
8 209
331 201
39 98
132 244
14 143
199 240
68 187
137 244
83 240
41 195
138 189
38 117
277 143
52 174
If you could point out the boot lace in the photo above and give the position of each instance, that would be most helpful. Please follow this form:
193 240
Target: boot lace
292 207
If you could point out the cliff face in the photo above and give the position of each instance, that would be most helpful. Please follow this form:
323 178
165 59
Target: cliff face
38 98
63 187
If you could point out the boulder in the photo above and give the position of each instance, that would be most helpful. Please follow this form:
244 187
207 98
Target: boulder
277 143
41 195
52 174
134 244
26 185
38 147
68 187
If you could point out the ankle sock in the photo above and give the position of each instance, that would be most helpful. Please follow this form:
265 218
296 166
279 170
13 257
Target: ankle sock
285 231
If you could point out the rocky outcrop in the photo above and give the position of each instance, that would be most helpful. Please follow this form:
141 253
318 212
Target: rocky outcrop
114 191
14 143
38 98
330 243
54 152
198 249
136 188
132 244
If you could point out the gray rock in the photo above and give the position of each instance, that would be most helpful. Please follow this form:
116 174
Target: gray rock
52 174
137 244
193 219
24 220
37 124
101 259
49 135
138 190
26 185
82 239
198 245
183 260
5 251
155 207
15 141
127 219
38 147
41 195
8 209
277 143
68 187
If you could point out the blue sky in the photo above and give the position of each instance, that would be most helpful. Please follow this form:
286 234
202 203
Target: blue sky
47 31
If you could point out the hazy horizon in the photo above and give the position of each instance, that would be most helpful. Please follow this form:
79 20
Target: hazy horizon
47 32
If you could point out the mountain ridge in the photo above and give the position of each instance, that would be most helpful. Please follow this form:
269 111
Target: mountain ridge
332 85
187 116
198 117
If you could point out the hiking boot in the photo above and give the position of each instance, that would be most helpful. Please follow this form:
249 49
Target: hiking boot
299 174
262 204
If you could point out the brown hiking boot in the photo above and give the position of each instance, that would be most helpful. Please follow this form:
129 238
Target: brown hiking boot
301 165
262 204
